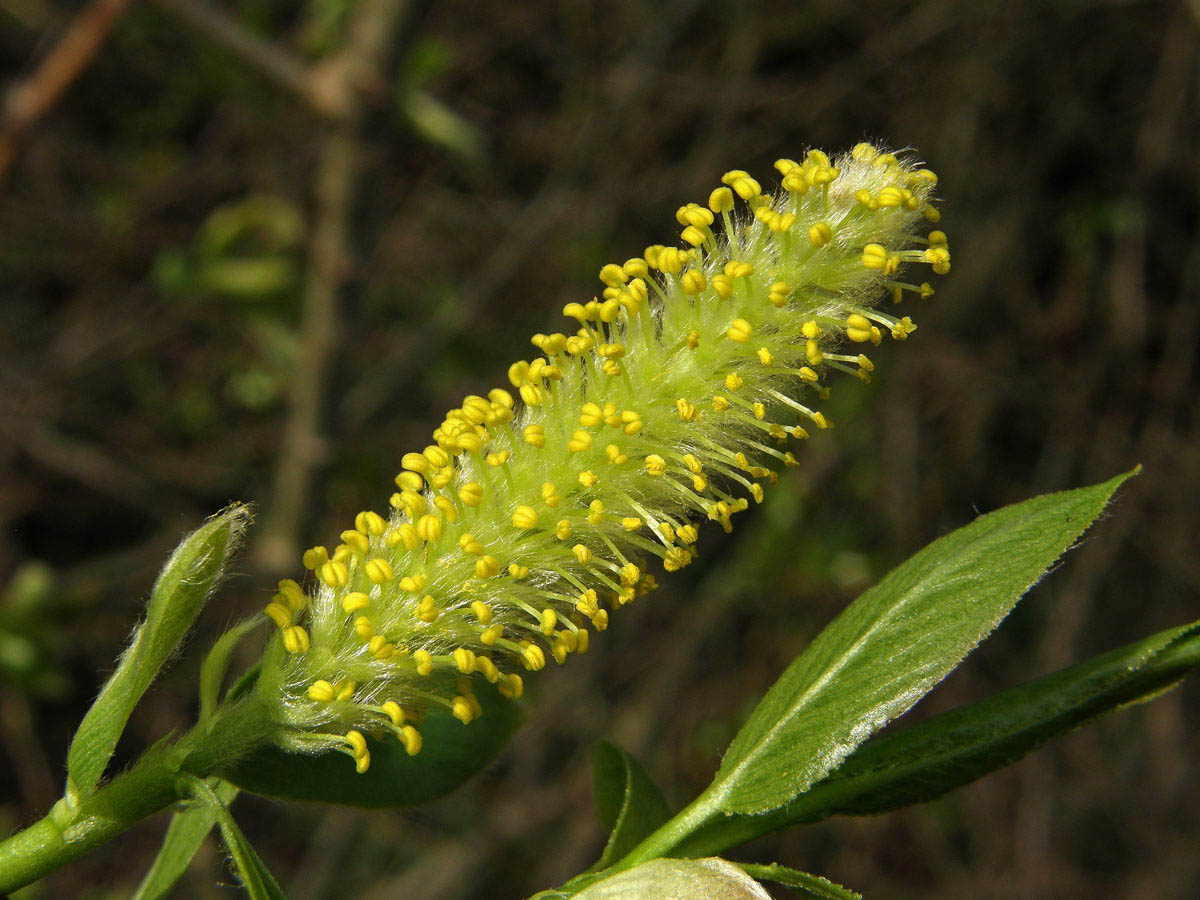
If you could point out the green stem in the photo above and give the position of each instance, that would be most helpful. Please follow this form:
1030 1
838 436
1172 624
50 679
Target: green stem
65 834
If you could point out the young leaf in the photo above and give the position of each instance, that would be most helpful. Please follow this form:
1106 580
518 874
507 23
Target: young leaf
258 882
187 831
452 753
677 879
809 886
894 643
629 802
924 761
178 595
212 671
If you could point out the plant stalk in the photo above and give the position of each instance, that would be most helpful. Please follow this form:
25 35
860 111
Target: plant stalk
65 834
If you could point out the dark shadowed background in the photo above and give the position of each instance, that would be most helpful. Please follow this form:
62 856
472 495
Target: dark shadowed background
253 250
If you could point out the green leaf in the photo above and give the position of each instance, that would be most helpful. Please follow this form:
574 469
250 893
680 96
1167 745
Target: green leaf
258 882
212 671
893 644
924 761
677 879
178 595
810 886
187 831
452 753
629 802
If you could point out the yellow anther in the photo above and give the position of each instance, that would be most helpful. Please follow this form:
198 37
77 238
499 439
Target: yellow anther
736 269
429 528
588 603
525 518
535 435
820 421
903 329
613 275
334 573
588 478
807 374
315 557
631 422
424 661
364 629
487 567
858 328
562 530
760 411
591 415
411 739
548 621
812 352
820 234
393 711
371 523
533 658
580 441
865 363
501 396
694 236
631 523
733 381
410 481
600 620
687 411
295 639
321 691
414 583
464 659
279 614
765 357
636 267
687 534
693 281
692 339
357 744
656 465
550 494
427 610
379 647
379 571
719 403
722 284
415 462
615 456
487 669
890 197
721 200
582 553
498 458
354 601
491 634
460 708
482 611
667 531
511 686
630 575
576 311
939 257
740 331
595 512
470 544
875 256
518 572
778 294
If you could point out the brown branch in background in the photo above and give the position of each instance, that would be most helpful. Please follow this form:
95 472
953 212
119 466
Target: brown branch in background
272 60
348 82
30 100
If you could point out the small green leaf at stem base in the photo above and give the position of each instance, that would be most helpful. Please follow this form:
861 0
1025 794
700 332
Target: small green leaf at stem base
186 833
628 801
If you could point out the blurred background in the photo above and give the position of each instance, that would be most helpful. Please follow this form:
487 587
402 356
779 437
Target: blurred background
253 250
